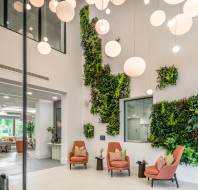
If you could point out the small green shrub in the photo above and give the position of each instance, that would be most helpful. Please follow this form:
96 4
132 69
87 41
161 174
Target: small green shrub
89 131
167 76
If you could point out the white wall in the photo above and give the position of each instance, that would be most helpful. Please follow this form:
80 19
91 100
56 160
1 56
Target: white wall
63 70
154 45
43 120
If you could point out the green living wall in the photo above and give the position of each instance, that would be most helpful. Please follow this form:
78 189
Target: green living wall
176 123
106 88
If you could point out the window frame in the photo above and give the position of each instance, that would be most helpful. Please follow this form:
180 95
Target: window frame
125 127
5 17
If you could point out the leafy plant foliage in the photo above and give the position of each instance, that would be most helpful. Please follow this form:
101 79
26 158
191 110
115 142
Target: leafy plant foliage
176 123
167 76
106 88
89 131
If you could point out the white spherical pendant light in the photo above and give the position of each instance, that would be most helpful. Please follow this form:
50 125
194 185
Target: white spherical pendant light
134 67
37 3
101 4
102 26
65 12
173 2
118 2
181 24
44 48
113 48
18 6
149 92
52 5
72 2
158 18
191 8
176 49
90 2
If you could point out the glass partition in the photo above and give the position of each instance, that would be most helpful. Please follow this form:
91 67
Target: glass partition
137 119
52 28
1 12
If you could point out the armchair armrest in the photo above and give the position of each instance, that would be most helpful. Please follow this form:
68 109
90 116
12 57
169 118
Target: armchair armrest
70 155
128 160
167 172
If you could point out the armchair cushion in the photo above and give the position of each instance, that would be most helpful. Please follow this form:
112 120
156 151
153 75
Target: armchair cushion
78 159
119 164
115 156
79 151
160 163
152 170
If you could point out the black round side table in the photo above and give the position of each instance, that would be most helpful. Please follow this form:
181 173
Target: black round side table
141 169
99 165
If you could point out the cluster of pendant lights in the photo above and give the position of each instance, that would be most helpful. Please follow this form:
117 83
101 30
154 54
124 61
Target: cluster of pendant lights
65 11
179 24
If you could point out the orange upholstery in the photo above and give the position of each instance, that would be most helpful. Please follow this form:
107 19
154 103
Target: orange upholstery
152 170
166 172
19 146
117 165
78 159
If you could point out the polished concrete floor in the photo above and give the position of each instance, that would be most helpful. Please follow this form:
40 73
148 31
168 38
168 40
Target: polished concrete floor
62 178
11 163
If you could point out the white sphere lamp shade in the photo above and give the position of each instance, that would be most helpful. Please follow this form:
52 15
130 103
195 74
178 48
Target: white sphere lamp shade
37 3
173 2
52 5
158 18
149 92
44 48
134 67
18 6
181 24
72 2
90 2
118 2
101 4
108 11
28 6
64 11
176 49
191 8
113 49
102 26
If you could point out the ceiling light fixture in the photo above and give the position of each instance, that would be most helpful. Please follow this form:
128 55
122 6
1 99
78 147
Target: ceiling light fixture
158 18
146 2
54 98
173 2
118 2
65 11
191 8
113 48
52 5
149 92
6 97
29 93
102 26
101 4
90 2
28 6
108 11
37 3
134 66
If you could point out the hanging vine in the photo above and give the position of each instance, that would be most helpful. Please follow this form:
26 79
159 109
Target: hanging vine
106 88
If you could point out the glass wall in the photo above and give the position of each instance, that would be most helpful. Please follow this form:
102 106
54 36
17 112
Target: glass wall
137 119
52 28
41 22
1 12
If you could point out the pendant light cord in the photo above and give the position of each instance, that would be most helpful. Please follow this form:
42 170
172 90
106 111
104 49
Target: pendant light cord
134 28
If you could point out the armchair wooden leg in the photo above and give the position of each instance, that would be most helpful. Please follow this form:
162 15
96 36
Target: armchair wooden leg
129 172
152 181
85 165
111 173
70 166
176 180
148 179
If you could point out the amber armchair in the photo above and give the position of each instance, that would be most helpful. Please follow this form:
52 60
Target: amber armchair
166 172
117 165
78 159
